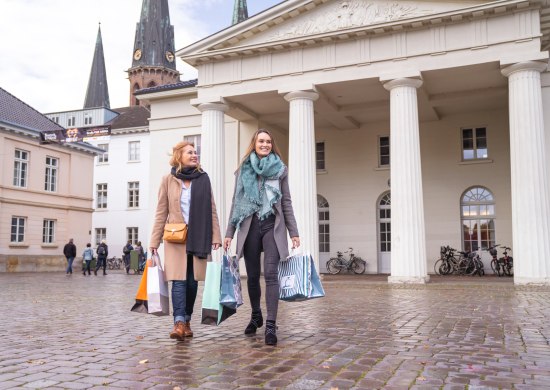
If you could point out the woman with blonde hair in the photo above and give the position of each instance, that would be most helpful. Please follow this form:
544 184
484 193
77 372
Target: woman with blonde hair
262 212
185 196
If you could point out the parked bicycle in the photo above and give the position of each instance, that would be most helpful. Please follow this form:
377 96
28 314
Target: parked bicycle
507 262
448 262
114 263
354 263
457 262
471 264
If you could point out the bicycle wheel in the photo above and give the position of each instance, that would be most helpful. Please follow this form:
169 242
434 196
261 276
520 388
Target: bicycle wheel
507 267
437 266
495 267
333 266
118 263
359 265
446 268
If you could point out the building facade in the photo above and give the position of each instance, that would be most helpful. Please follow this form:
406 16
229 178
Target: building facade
45 191
407 125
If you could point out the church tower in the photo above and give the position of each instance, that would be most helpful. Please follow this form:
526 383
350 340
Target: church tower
97 93
153 58
240 11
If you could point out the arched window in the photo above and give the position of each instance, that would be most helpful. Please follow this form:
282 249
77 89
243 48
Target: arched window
477 208
324 226
384 220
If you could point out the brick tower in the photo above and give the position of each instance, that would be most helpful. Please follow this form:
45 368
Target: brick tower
153 58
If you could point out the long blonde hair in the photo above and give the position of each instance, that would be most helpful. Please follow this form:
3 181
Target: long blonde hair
177 154
252 147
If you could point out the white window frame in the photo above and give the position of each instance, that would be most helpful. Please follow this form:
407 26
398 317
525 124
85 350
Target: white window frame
20 168
103 158
320 156
100 235
19 223
323 211
87 119
48 231
71 121
52 169
134 151
101 193
382 152
133 194
195 139
475 148
132 234
477 204
55 119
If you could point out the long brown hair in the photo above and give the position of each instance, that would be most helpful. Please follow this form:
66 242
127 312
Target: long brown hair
177 154
252 147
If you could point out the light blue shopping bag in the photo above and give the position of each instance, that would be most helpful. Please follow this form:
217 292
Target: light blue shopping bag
298 279
231 292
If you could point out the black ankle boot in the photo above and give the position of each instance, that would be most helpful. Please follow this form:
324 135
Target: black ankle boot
270 333
256 322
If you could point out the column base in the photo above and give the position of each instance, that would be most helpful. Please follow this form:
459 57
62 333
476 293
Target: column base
526 281
408 279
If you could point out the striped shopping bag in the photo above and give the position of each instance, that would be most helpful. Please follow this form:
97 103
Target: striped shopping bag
298 279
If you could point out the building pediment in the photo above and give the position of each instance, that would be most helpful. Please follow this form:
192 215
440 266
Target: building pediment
297 22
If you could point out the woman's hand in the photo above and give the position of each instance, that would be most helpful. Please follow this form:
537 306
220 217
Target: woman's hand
226 243
153 250
295 242
216 246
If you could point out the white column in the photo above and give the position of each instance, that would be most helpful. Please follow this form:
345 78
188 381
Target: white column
530 201
213 156
302 169
408 241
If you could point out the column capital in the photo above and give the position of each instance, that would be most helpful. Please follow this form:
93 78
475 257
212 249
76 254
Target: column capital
538 66
301 95
212 107
403 82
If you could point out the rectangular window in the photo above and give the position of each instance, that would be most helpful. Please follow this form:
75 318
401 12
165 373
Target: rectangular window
102 196
195 140
384 151
132 234
133 151
474 143
20 168
71 121
104 157
87 119
50 183
100 235
320 156
48 231
55 119
133 194
17 229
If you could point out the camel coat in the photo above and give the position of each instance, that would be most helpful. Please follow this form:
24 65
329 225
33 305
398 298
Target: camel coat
169 211
284 220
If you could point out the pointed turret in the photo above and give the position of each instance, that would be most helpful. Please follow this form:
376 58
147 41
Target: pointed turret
97 94
240 11
153 59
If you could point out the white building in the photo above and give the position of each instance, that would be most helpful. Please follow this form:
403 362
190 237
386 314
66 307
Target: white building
459 90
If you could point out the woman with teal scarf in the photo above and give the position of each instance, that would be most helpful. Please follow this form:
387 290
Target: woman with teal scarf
262 212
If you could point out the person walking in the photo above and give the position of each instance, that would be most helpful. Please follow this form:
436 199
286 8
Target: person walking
87 257
102 253
141 256
262 212
126 251
185 196
69 250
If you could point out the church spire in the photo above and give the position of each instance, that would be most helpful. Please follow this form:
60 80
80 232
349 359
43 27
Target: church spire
153 58
97 94
240 11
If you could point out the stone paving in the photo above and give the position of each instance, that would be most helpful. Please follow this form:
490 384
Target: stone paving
77 332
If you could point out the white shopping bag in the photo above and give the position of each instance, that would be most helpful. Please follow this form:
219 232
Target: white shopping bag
157 289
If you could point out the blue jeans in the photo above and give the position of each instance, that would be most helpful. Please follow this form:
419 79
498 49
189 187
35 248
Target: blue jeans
70 266
184 294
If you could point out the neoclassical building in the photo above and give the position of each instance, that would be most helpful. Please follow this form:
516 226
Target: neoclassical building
406 125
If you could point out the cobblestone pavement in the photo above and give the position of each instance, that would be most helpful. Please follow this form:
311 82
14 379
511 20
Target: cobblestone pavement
477 333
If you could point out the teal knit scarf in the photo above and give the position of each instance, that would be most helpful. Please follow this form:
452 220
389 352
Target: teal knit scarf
257 187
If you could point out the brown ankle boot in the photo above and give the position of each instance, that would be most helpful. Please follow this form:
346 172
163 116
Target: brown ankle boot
178 332
187 332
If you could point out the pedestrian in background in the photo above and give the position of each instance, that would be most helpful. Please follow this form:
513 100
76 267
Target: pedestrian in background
102 253
87 257
69 250
126 250
262 211
185 196
141 256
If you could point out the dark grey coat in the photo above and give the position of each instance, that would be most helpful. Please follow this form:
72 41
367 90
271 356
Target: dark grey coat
284 219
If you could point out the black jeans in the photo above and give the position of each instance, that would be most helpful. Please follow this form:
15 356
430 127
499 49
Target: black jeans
260 239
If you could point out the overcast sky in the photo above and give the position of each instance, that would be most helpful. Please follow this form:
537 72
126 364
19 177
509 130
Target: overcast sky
47 46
